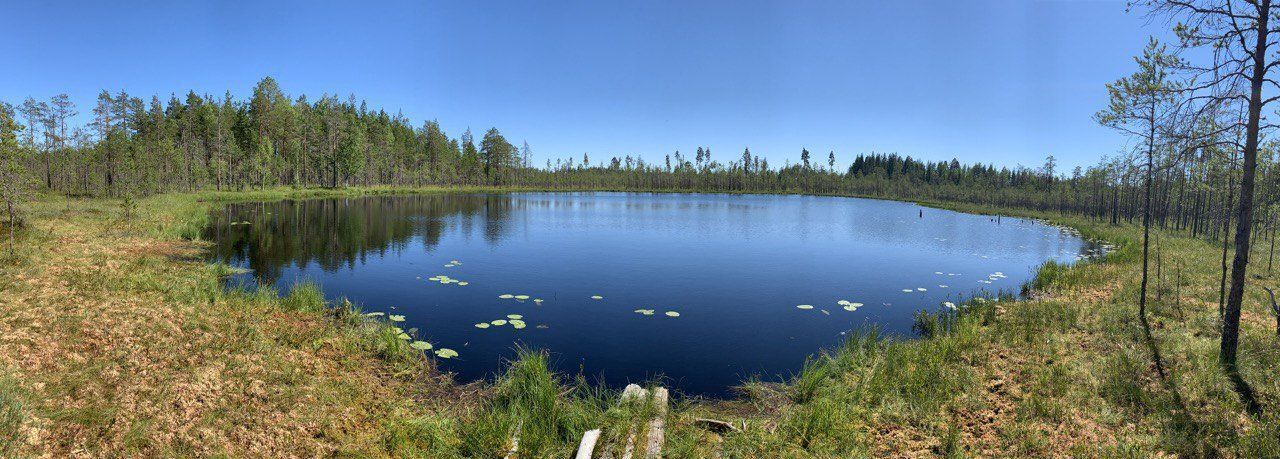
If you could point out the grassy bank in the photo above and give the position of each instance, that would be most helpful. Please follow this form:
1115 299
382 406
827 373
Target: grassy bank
117 340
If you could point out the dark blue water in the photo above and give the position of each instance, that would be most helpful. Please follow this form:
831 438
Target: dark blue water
734 268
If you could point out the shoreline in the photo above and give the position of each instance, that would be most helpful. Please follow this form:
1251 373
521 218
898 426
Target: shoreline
956 348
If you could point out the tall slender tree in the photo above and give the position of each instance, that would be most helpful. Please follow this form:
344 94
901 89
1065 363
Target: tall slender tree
1139 106
12 175
1239 36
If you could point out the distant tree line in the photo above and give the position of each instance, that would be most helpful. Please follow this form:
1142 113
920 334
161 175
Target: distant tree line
134 147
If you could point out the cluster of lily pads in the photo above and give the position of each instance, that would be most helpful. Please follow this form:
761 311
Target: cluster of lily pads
520 298
453 263
515 320
992 277
444 353
443 279
844 304
849 305
649 312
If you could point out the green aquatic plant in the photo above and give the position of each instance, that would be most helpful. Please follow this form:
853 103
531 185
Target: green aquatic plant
482 325
499 322
514 316
647 312
396 318
804 306
672 314
420 345
506 296
517 324
446 353
597 297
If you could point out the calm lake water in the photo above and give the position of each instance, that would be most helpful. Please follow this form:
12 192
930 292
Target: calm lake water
734 268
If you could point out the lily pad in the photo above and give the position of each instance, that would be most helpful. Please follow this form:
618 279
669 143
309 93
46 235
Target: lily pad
420 345
522 297
446 353
672 314
375 314
482 325
463 283
597 297
403 336
506 296
517 324
396 318
804 306
499 322
647 312
515 316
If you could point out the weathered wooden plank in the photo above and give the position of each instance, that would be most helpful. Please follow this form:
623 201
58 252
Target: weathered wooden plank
633 392
653 450
588 444
630 448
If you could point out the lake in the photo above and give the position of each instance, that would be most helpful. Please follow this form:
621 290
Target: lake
734 268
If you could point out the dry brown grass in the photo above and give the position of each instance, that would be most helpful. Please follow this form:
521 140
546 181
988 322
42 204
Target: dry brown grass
123 345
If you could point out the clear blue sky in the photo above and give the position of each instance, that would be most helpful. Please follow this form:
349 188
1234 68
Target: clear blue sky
1006 82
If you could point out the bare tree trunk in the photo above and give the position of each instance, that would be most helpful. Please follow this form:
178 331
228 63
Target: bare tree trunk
1271 254
1226 225
12 225
1146 221
1244 219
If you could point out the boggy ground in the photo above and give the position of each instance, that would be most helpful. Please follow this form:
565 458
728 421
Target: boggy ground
116 340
